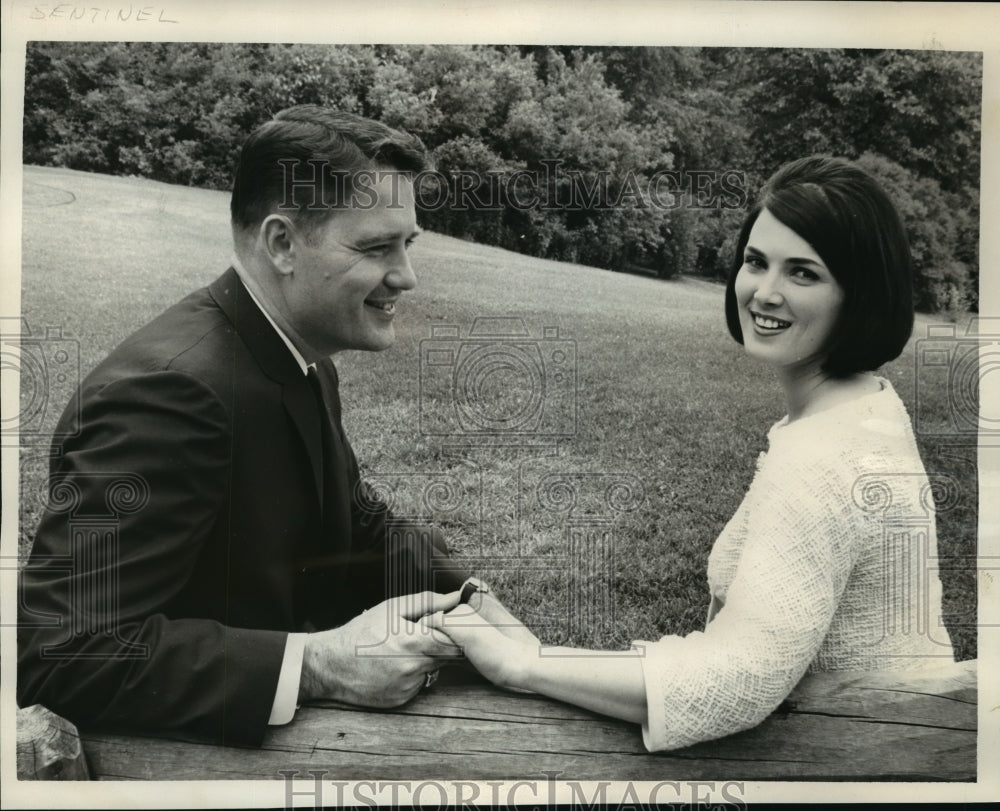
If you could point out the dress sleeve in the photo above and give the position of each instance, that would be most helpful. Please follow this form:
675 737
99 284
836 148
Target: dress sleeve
133 499
796 559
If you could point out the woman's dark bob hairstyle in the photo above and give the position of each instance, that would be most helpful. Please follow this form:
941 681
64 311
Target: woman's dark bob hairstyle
854 228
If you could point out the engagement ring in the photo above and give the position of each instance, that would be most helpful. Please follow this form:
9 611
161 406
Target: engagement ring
472 586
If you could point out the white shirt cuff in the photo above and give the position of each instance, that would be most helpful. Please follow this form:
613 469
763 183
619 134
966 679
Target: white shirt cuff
286 697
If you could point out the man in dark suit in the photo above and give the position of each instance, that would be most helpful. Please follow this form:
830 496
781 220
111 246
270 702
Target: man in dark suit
209 555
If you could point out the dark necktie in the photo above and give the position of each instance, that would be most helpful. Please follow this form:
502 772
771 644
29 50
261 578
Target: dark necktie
330 553
336 484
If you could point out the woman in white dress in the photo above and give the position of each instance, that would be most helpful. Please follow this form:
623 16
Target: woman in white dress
827 563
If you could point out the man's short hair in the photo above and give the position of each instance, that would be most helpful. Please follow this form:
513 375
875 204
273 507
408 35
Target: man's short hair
302 161
846 217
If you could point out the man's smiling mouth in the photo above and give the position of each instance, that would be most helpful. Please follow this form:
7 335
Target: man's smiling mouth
385 306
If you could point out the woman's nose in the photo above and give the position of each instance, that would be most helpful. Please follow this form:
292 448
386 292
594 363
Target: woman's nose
769 290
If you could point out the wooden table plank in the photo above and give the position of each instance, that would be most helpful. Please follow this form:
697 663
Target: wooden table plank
835 726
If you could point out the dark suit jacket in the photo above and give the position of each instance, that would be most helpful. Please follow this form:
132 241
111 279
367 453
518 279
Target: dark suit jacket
185 535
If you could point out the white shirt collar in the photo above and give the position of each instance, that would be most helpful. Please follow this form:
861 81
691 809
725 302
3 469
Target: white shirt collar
242 273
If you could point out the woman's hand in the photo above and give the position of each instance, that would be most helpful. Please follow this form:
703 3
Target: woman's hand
500 658
609 682
492 610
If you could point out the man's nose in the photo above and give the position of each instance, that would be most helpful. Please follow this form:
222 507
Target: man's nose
401 275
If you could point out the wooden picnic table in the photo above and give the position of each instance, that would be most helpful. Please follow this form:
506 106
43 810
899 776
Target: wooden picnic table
918 726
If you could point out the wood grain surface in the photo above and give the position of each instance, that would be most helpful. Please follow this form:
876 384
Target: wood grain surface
834 726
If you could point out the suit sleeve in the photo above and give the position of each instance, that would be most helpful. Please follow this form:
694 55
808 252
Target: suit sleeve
132 500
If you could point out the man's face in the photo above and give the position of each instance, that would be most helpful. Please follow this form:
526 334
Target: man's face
348 276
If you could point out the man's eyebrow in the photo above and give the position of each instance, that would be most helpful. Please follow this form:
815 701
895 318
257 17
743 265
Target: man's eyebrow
386 236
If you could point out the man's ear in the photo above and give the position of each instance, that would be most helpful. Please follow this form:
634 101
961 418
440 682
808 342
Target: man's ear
278 237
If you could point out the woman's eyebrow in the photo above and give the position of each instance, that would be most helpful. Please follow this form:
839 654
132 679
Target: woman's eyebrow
797 260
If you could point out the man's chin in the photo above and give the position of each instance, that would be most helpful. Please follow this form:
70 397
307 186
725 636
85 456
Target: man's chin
380 342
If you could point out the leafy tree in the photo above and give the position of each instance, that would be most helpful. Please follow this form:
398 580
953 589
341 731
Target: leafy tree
918 108
934 223
592 124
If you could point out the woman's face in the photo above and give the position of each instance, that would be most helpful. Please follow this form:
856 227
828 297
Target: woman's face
787 297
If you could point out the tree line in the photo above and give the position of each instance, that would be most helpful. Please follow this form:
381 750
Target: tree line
617 157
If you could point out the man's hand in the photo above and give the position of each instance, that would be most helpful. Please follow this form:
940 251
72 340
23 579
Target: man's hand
380 658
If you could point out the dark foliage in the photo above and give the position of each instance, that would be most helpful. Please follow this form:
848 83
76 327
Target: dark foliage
616 157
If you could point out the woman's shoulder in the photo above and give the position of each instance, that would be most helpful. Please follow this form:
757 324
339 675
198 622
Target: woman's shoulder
868 434
880 413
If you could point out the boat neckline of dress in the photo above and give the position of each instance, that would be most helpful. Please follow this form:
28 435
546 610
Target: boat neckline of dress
884 386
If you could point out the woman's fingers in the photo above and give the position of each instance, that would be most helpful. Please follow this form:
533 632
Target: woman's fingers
462 625
445 646
415 606
465 616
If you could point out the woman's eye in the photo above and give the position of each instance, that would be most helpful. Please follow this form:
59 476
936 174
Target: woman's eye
754 262
804 274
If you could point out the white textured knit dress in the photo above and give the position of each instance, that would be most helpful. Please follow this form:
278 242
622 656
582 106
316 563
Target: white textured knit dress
828 564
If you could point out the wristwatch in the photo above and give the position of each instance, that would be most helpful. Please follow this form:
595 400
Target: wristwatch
470 587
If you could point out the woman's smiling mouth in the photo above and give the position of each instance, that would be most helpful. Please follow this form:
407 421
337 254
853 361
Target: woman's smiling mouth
767 324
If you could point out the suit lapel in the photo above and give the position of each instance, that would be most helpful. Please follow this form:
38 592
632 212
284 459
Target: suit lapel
277 363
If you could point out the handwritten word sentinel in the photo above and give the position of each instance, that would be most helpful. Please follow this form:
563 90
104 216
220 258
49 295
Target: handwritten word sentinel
102 14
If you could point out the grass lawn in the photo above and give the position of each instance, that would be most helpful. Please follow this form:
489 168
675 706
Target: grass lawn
596 538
